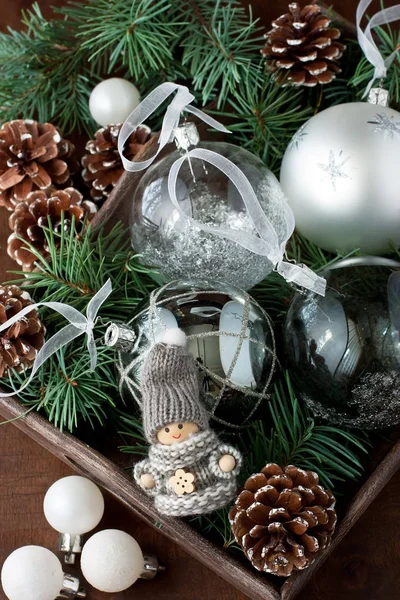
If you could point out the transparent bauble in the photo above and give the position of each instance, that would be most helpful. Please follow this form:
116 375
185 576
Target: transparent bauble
179 249
229 334
344 349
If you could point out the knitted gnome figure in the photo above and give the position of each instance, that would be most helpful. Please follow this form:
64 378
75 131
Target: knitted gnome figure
188 470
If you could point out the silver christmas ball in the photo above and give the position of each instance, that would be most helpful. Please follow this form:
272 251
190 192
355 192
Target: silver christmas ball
341 176
344 349
168 240
229 334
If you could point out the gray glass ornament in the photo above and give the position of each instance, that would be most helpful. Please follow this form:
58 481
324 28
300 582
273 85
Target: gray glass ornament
229 334
343 350
180 249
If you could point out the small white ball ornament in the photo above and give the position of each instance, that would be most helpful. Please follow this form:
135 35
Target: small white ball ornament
341 176
32 572
73 505
112 100
112 561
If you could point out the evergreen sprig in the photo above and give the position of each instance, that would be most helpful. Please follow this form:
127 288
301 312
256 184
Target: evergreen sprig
65 389
388 41
295 438
139 35
44 74
221 46
265 116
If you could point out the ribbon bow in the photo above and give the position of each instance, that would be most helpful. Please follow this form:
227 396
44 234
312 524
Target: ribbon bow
78 325
366 41
266 243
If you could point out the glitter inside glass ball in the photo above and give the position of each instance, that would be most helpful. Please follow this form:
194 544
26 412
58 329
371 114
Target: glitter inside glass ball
344 349
229 334
171 242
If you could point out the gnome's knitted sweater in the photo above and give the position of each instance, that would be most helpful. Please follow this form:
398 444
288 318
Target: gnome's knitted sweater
199 455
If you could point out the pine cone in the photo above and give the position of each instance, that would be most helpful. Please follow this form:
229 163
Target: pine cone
20 343
283 519
302 49
103 165
31 216
32 156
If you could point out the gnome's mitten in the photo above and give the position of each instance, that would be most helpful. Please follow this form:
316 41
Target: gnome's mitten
188 470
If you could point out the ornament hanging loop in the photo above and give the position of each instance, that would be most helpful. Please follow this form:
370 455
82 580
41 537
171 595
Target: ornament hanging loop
367 43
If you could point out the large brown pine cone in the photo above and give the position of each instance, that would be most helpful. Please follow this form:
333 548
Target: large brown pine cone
20 343
302 48
32 156
31 216
102 164
283 519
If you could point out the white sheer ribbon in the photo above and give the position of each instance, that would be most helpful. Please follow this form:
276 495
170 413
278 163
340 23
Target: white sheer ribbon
266 243
367 43
78 325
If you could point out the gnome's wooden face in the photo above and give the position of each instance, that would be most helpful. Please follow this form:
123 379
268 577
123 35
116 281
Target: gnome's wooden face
174 433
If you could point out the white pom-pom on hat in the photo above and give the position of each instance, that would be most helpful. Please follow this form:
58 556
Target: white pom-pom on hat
174 337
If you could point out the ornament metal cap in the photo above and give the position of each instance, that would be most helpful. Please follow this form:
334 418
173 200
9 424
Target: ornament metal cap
71 588
379 96
186 136
151 566
119 337
71 545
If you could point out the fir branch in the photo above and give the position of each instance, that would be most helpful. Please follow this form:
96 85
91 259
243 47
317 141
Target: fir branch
65 388
44 74
265 116
296 439
221 45
139 35
388 41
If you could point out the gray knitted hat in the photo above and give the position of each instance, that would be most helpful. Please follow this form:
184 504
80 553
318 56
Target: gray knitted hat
170 389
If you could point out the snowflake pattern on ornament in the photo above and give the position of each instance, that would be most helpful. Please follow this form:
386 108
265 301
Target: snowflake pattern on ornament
298 138
333 169
386 124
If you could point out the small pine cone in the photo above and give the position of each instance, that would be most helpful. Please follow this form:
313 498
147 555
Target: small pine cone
302 48
283 519
33 156
31 216
102 165
20 343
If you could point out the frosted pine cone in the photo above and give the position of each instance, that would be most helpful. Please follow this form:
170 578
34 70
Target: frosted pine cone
302 48
283 519
31 216
102 163
20 343
32 156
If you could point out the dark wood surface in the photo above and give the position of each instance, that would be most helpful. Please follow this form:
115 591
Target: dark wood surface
364 565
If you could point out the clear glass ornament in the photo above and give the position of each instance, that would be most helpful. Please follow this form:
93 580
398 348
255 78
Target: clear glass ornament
344 349
229 334
179 248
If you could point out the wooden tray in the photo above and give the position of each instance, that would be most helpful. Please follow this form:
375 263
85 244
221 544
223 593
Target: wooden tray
90 463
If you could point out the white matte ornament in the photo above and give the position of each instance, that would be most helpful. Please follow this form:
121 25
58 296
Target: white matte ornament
112 561
73 505
112 100
32 572
341 176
